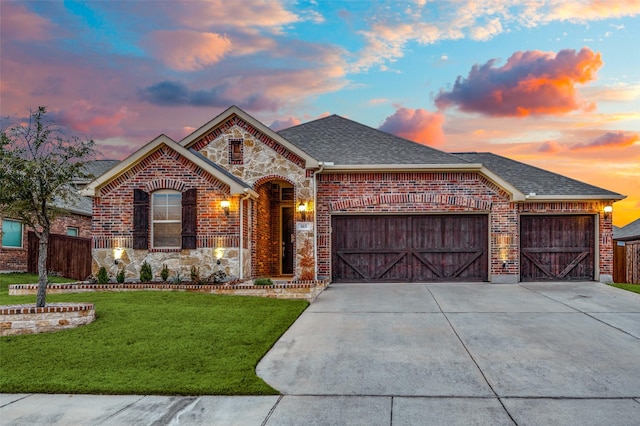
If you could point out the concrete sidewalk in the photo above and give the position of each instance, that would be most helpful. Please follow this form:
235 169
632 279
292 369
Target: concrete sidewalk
406 354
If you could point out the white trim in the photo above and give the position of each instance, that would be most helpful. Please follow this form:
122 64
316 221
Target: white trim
542 197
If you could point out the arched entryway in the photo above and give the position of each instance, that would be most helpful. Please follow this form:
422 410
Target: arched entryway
274 225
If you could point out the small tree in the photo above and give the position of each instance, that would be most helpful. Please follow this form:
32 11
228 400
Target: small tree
38 163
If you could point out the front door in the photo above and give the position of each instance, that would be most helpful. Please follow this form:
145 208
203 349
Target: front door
287 241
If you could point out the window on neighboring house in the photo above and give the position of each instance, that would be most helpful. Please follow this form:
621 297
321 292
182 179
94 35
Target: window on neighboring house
11 233
72 231
235 151
166 219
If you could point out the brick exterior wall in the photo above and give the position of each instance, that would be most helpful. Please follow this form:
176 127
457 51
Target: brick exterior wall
165 169
15 259
386 193
264 161
262 244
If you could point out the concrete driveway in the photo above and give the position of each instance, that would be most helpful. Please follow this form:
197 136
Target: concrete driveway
409 354
538 353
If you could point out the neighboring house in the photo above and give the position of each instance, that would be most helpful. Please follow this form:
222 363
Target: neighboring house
336 199
626 255
76 222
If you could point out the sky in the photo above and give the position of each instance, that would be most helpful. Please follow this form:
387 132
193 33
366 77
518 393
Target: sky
555 84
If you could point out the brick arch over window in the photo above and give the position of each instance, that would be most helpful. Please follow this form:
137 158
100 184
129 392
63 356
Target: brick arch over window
414 198
158 184
266 179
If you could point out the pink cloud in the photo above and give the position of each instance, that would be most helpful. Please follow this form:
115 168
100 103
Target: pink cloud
593 10
284 124
530 83
418 125
550 147
95 121
18 23
609 140
185 50
253 13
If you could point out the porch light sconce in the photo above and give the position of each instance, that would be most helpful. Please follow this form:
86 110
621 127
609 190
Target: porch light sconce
302 209
117 254
607 211
218 253
225 206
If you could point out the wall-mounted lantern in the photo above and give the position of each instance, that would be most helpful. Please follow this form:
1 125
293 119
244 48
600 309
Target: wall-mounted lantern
607 211
218 253
117 254
225 206
302 210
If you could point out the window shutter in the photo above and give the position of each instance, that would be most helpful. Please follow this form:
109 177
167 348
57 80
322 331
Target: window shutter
189 198
140 219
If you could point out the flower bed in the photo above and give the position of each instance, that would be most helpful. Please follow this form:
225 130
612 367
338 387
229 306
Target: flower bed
307 290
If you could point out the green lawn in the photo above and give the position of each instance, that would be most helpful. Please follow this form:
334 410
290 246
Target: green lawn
630 287
149 343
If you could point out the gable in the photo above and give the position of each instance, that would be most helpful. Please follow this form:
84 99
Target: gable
235 117
163 145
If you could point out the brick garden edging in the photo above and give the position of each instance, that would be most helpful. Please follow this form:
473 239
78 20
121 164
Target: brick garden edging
307 290
28 319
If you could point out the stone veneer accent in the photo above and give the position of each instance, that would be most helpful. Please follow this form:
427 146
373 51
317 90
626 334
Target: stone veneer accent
27 319
264 161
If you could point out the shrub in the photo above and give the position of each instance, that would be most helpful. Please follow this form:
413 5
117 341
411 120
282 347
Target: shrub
120 276
146 274
177 279
262 281
218 277
195 274
164 274
102 277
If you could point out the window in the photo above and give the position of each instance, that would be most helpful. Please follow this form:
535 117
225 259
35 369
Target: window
166 214
235 151
11 233
72 231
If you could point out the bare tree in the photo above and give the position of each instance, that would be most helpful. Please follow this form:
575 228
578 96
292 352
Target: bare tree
38 163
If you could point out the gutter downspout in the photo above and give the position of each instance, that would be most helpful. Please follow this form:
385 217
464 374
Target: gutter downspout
315 220
241 248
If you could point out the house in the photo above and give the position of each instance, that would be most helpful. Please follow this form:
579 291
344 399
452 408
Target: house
76 222
626 254
336 199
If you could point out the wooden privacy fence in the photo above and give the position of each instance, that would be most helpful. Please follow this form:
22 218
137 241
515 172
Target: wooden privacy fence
626 262
67 256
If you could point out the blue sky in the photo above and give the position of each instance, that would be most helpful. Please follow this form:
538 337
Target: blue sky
555 84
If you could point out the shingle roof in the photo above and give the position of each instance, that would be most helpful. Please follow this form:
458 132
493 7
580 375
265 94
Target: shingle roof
97 168
346 142
529 179
220 169
83 205
628 232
